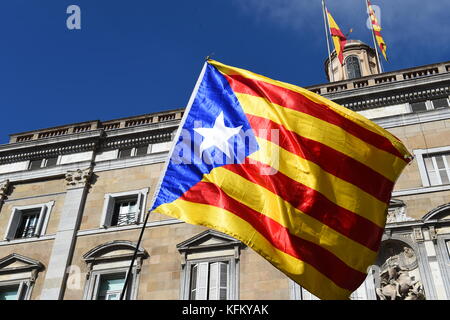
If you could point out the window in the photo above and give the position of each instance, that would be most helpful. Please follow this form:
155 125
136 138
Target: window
419 106
125 153
353 67
434 165
430 105
440 103
125 208
9 292
108 265
125 211
133 152
209 281
438 168
15 291
28 221
210 267
141 151
110 286
43 163
108 283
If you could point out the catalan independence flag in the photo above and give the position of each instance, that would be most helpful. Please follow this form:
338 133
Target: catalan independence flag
338 37
299 179
377 30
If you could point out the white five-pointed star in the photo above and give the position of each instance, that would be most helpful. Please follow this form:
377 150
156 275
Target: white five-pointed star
217 136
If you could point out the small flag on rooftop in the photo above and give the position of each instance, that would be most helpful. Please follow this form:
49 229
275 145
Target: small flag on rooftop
377 30
338 37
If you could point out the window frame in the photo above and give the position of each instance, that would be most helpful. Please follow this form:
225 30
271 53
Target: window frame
93 282
443 257
231 275
16 218
429 105
44 162
23 290
420 155
109 205
347 69
100 262
435 108
133 152
199 249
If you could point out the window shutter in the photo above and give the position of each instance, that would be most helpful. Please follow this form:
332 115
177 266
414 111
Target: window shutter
40 222
13 224
193 282
214 276
108 212
223 281
202 281
140 209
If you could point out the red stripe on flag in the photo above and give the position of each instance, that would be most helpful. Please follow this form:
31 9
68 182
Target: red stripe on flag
326 157
296 101
337 33
312 203
323 260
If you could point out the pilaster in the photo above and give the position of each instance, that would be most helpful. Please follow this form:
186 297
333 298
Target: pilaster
4 186
77 185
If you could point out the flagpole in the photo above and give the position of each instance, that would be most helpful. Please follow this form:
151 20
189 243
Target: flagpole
155 194
380 69
325 20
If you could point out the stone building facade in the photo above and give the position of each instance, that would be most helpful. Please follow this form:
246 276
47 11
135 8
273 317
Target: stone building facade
73 199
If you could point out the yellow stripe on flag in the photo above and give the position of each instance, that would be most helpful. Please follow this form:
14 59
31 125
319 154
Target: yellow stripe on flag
218 218
318 130
299 224
338 191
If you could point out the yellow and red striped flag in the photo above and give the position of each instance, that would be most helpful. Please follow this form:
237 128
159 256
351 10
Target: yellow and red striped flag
377 30
338 37
303 181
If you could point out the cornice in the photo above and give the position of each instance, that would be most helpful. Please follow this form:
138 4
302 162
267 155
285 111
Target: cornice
47 151
413 118
60 170
88 141
390 96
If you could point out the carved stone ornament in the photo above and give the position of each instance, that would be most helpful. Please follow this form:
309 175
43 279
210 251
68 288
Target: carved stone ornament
397 214
4 185
396 282
78 178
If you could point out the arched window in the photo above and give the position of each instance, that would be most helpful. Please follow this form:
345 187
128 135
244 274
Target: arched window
353 67
108 265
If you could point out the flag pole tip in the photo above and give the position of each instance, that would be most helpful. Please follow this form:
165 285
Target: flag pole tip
208 57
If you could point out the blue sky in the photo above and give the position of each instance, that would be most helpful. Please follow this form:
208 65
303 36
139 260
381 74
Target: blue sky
138 56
